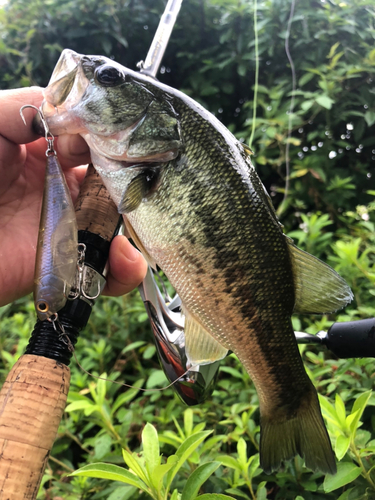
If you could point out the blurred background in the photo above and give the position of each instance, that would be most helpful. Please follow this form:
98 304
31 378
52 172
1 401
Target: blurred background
327 123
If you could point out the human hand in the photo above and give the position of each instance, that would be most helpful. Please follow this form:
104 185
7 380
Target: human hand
22 168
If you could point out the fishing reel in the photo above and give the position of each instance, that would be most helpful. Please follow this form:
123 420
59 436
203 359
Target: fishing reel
352 339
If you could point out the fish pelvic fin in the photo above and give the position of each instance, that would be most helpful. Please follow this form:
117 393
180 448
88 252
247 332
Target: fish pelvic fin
201 347
303 433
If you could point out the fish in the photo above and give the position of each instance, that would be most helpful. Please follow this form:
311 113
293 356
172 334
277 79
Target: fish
57 246
196 208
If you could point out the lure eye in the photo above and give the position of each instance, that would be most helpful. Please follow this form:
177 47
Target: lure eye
109 76
42 307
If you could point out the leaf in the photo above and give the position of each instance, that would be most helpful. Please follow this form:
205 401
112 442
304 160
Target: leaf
370 117
81 405
262 491
134 465
151 451
123 493
346 473
184 451
102 446
188 421
214 496
324 101
340 410
230 462
159 472
126 396
306 105
111 472
197 478
359 406
341 446
242 453
333 50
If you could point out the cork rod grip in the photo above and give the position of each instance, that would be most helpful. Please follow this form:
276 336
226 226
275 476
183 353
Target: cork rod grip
95 210
32 402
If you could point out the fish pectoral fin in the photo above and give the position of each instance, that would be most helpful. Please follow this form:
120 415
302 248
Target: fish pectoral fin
201 348
133 235
318 288
138 189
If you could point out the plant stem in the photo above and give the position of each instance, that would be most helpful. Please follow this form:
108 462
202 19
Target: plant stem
365 473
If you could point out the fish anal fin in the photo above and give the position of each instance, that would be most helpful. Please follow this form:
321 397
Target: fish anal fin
201 348
133 235
318 288
302 434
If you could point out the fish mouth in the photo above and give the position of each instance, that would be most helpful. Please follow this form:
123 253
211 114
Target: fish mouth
65 88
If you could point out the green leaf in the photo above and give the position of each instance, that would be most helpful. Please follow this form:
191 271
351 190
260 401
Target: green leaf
230 462
102 446
123 493
340 409
359 406
188 421
346 473
197 478
111 472
81 405
134 465
159 472
151 450
306 105
133 346
341 446
126 396
214 496
370 117
184 451
324 101
175 495
242 452
262 491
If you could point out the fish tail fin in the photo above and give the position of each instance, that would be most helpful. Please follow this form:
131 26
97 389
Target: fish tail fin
302 434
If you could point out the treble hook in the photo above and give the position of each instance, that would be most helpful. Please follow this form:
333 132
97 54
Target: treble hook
47 134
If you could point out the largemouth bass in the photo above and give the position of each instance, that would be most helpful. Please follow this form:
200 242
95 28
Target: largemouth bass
195 206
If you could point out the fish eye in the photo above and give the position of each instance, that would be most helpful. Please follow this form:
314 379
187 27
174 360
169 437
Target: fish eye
109 76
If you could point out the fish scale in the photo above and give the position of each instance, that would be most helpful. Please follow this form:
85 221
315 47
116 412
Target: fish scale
196 208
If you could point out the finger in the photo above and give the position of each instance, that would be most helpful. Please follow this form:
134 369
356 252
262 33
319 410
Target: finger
12 126
127 267
72 150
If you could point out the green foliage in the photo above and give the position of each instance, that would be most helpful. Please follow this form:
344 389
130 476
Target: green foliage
211 451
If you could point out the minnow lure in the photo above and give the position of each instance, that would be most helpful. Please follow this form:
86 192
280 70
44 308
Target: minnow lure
57 248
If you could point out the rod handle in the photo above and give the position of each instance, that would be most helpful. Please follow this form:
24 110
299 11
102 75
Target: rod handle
32 402
352 339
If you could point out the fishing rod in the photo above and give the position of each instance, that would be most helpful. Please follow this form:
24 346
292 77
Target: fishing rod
33 397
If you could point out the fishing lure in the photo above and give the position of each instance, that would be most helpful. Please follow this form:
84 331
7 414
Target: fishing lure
57 247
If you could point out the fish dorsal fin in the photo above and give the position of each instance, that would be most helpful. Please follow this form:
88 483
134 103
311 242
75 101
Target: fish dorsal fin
318 288
133 235
201 348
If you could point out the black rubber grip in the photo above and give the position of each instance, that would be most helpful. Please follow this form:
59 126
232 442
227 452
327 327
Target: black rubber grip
352 339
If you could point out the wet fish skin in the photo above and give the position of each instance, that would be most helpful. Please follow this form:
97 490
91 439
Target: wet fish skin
210 225
56 258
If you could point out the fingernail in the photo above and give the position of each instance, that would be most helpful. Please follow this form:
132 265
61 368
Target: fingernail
131 253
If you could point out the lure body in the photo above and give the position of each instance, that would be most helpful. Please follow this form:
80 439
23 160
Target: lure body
56 257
